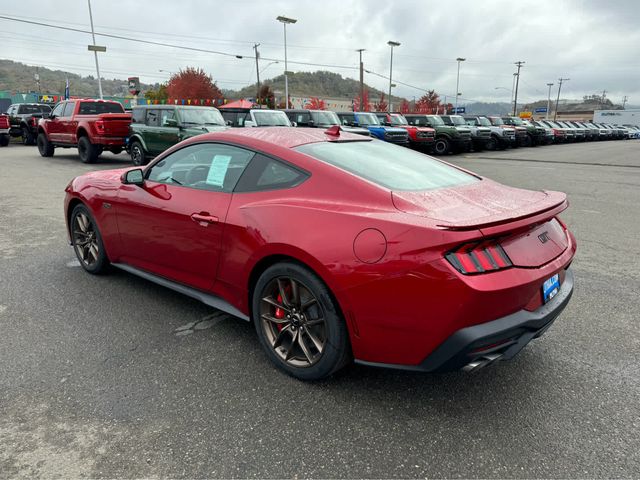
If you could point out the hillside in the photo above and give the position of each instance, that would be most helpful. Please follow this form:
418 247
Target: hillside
314 84
15 76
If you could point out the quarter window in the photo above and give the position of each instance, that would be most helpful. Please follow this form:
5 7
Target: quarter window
265 173
205 166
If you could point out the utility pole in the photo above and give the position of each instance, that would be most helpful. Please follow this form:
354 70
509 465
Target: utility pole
95 52
255 48
360 50
392 44
555 114
548 100
515 100
624 101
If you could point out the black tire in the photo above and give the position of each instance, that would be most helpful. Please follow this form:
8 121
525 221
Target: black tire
4 140
492 143
138 155
87 151
87 241
316 310
528 141
27 136
441 146
45 147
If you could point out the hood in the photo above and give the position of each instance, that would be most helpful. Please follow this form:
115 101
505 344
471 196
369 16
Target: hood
480 204
196 129
393 129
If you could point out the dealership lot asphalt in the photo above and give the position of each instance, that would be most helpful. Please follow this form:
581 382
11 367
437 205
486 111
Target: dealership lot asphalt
110 376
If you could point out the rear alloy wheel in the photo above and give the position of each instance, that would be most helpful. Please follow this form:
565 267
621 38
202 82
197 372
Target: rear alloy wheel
27 136
298 322
87 241
45 147
138 156
88 152
441 147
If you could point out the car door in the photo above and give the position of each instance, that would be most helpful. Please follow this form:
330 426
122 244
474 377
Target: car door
68 124
54 123
172 225
167 135
152 131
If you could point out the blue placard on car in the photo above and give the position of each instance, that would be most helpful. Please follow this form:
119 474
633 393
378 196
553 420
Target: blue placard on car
551 287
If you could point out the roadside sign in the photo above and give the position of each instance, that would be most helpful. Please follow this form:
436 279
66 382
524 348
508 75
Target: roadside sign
455 110
525 115
541 110
134 85
96 48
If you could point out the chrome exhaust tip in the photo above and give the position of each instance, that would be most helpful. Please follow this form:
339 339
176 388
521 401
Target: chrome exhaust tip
481 362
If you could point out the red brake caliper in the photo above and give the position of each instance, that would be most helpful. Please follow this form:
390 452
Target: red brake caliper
279 312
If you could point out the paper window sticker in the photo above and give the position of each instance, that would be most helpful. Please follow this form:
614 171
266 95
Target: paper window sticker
218 170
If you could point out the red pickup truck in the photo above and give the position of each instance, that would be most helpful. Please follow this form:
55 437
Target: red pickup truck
90 125
5 126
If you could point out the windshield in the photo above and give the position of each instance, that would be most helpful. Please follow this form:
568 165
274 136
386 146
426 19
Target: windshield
435 120
496 121
484 121
513 121
368 119
271 119
390 166
26 109
457 120
398 120
201 116
325 119
96 108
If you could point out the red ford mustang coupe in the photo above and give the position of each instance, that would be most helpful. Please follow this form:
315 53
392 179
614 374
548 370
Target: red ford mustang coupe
337 247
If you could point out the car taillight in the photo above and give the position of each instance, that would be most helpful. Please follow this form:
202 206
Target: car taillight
33 121
99 126
479 257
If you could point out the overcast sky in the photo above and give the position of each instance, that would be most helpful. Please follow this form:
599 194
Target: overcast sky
594 43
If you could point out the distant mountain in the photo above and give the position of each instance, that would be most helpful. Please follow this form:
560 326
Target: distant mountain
482 108
15 76
314 84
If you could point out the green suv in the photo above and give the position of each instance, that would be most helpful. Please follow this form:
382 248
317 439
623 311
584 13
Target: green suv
154 128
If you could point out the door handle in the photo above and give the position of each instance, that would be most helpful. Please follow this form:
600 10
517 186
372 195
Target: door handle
204 218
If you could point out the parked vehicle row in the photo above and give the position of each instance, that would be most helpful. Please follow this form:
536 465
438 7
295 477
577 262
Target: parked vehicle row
94 126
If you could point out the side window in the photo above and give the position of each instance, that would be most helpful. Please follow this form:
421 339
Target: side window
166 114
57 111
68 109
303 119
205 166
153 118
265 173
137 115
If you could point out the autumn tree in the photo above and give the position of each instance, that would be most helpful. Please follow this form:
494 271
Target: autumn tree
193 83
404 106
428 103
381 104
266 96
315 103
362 105
160 94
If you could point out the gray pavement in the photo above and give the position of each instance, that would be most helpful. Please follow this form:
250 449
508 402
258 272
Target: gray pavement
110 376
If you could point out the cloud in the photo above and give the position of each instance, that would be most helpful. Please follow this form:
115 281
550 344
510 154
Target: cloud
595 43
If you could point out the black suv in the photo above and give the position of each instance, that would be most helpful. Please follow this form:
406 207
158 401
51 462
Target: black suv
24 119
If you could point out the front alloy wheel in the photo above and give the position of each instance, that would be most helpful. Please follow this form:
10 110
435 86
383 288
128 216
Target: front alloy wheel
87 241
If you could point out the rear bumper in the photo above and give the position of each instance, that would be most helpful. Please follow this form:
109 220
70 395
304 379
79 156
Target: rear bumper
499 339
111 141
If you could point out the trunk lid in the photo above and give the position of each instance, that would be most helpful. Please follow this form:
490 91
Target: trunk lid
477 205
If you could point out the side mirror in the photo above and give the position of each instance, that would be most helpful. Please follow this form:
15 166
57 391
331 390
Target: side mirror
294 124
46 115
170 122
311 123
133 177
229 123
249 123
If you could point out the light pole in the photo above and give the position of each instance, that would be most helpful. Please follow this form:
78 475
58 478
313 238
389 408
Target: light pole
360 50
391 44
95 51
285 21
548 100
555 114
459 60
515 98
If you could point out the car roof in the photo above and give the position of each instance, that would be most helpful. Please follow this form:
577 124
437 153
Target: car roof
286 137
